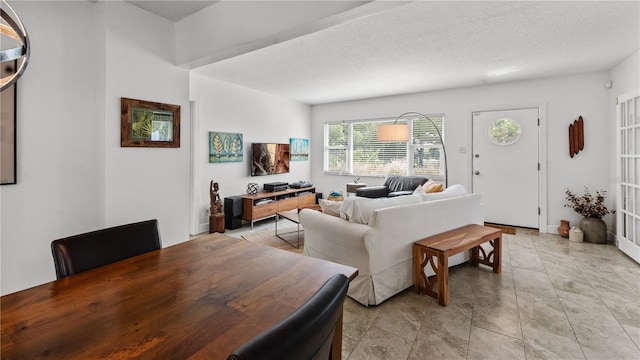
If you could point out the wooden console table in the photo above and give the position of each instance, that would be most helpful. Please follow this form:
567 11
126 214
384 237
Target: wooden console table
449 243
266 204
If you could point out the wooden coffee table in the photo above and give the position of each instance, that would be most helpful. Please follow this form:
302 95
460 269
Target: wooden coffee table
439 247
291 215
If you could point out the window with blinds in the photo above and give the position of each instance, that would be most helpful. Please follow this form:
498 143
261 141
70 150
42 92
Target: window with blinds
352 148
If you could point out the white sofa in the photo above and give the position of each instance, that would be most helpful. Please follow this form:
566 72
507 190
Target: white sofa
381 248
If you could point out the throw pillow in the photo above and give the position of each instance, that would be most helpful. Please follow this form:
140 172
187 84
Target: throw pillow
419 190
451 191
431 187
330 207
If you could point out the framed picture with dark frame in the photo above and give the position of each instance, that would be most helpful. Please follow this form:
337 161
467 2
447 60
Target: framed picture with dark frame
149 124
8 128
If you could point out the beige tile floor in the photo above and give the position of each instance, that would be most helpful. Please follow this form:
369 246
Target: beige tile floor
554 300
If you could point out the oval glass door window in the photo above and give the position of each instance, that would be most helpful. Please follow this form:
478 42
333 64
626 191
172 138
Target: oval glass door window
504 132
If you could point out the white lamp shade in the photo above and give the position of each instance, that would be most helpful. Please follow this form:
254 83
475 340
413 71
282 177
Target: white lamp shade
393 132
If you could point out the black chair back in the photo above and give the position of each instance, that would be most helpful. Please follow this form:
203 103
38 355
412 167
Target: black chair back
87 251
305 334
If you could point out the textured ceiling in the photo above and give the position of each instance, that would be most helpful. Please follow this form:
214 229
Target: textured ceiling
432 45
426 46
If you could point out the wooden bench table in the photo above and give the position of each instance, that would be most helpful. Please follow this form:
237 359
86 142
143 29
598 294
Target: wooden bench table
448 243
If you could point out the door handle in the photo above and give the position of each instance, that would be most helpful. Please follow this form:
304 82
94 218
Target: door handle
477 172
477 155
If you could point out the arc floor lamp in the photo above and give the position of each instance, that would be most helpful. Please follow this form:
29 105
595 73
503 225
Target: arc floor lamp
400 133
12 27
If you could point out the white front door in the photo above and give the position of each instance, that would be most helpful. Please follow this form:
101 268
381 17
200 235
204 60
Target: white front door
628 169
506 165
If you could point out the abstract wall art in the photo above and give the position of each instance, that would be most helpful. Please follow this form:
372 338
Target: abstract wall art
299 149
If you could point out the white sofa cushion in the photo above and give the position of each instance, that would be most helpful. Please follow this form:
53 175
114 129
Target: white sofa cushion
358 209
451 191
330 207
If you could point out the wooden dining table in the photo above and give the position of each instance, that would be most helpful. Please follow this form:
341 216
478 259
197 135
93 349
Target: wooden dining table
200 299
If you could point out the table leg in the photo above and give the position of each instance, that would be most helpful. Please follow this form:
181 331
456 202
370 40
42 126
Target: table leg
474 255
417 268
497 254
443 279
336 343
297 244
427 284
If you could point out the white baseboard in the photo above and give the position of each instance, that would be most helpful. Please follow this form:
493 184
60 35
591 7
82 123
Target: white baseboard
202 228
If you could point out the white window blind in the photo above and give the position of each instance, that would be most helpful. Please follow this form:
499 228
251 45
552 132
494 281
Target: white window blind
352 148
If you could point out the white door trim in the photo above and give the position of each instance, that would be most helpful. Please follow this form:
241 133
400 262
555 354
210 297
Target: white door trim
194 226
543 226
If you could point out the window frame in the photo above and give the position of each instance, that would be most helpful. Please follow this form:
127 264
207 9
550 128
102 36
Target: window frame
411 146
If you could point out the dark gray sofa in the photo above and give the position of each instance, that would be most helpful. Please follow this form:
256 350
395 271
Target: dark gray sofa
394 185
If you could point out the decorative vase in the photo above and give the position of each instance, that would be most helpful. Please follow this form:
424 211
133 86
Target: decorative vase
575 235
594 230
563 229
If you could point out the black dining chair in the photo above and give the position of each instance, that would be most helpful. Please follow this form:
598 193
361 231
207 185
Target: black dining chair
87 251
305 334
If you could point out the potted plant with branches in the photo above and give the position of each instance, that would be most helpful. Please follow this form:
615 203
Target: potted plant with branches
593 209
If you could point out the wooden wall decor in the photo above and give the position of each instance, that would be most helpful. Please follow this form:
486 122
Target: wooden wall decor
581 133
576 136
149 124
571 132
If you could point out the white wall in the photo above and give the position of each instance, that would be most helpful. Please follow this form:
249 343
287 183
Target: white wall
72 175
260 117
145 183
625 77
565 98
59 191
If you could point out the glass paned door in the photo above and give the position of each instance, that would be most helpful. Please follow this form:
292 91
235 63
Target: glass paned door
628 169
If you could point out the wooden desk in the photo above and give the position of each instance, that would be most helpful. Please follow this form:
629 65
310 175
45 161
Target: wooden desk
199 299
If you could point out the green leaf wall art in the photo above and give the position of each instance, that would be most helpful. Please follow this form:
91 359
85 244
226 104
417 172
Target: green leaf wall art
225 147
